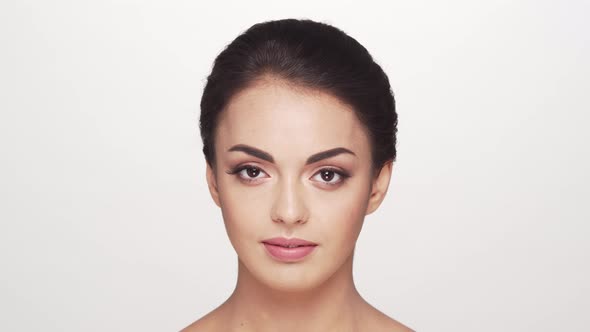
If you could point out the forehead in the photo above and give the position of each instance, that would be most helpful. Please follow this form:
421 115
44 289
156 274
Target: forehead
286 120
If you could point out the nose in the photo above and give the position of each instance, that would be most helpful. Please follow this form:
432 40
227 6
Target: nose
289 204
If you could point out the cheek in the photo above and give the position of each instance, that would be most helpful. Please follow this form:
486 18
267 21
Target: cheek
341 212
244 211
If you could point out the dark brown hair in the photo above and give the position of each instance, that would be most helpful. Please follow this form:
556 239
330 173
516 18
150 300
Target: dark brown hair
309 54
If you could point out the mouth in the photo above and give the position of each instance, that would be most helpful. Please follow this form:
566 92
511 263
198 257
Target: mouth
288 246
288 250
289 243
288 255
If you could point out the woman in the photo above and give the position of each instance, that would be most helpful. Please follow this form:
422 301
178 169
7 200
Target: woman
299 130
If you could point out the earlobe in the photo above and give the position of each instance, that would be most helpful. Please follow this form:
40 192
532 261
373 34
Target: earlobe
379 187
212 184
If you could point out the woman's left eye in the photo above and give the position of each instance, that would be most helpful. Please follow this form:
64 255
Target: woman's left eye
329 176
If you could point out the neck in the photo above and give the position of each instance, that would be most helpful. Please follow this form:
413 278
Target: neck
331 306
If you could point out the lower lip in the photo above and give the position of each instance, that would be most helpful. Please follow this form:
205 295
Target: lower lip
288 254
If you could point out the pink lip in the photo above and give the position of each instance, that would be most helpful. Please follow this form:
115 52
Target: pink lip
281 241
276 247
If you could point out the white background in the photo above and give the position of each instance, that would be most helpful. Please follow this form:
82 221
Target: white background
107 225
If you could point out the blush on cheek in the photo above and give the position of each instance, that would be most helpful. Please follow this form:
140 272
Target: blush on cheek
353 214
351 200
345 212
243 215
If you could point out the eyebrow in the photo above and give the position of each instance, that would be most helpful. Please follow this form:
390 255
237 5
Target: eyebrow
255 152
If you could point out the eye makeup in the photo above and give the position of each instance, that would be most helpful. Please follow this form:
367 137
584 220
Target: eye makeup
249 174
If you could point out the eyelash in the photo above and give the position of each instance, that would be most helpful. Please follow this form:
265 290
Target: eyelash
343 175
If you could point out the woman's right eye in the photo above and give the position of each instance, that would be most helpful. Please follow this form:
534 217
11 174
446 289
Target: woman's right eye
248 173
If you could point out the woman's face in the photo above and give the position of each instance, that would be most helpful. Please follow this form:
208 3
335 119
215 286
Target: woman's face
268 186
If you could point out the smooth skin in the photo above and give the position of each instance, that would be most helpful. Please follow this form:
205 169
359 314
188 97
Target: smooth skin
272 128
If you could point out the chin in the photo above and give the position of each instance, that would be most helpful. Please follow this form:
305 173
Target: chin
292 278
291 283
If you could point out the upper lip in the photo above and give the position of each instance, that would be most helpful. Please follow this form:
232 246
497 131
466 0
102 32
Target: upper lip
281 241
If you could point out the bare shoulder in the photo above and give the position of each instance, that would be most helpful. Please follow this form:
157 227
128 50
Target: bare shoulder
198 326
207 323
391 325
202 324
380 322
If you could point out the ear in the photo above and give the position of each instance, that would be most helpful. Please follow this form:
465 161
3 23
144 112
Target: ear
379 187
212 183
